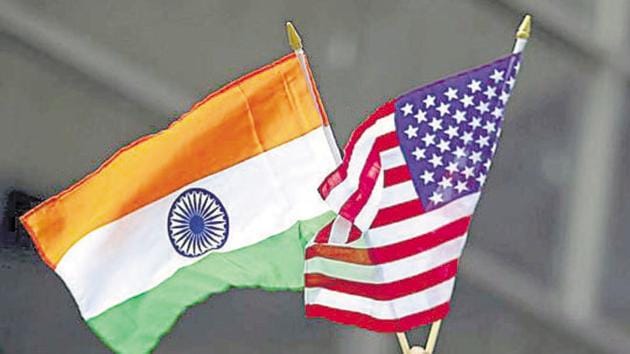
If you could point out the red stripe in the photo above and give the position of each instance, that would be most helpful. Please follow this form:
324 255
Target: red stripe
393 252
398 212
396 175
385 291
367 180
341 173
368 177
387 141
355 234
324 234
374 324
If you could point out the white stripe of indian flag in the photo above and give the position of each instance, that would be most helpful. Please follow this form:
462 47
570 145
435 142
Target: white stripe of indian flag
133 254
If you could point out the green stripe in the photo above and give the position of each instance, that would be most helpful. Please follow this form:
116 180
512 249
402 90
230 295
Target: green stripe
277 263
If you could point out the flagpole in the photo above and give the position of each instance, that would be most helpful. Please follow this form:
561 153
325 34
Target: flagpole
404 344
433 336
296 44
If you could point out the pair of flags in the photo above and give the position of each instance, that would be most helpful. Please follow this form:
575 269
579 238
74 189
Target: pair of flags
245 191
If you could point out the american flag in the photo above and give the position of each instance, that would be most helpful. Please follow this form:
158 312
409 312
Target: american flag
405 193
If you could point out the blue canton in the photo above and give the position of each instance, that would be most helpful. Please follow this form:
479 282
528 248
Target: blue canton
448 130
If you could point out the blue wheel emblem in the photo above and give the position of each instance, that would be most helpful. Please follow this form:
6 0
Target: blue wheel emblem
197 223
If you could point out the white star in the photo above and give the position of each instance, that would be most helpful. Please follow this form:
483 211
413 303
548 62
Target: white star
428 139
452 167
487 164
443 146
436 124
511 81
407 109
427 177
483 107
451 131
490 92
459 152
436 198
474 86
444 109
497 113
420 116
483 141
461 187
412 132
446 182
504 97
490 127
429 101
475 157
467 137
459 116
517 67
481 179
451 93
497 76
476 123
418 153
436 161
468 172
467 101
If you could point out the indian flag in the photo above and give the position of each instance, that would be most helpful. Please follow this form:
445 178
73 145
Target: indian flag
225 197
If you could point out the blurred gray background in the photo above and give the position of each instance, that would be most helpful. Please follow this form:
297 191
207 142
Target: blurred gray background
546 267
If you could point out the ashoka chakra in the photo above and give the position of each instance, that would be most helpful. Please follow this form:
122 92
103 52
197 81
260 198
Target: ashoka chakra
197 223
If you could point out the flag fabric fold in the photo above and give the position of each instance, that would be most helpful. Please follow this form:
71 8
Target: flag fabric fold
405 194
224 197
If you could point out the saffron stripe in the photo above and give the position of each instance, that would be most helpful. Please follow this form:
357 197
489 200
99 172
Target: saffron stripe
213 136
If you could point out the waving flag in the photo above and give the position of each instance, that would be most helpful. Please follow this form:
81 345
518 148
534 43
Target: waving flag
405 193
225 197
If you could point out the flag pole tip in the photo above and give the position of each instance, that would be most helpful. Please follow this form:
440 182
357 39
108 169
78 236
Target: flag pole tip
525 29
294 38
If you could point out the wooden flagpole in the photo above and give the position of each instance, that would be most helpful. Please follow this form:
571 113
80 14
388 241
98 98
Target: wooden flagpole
404 344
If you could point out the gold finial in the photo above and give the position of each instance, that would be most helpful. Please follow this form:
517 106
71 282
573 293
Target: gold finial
294 38
525 29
